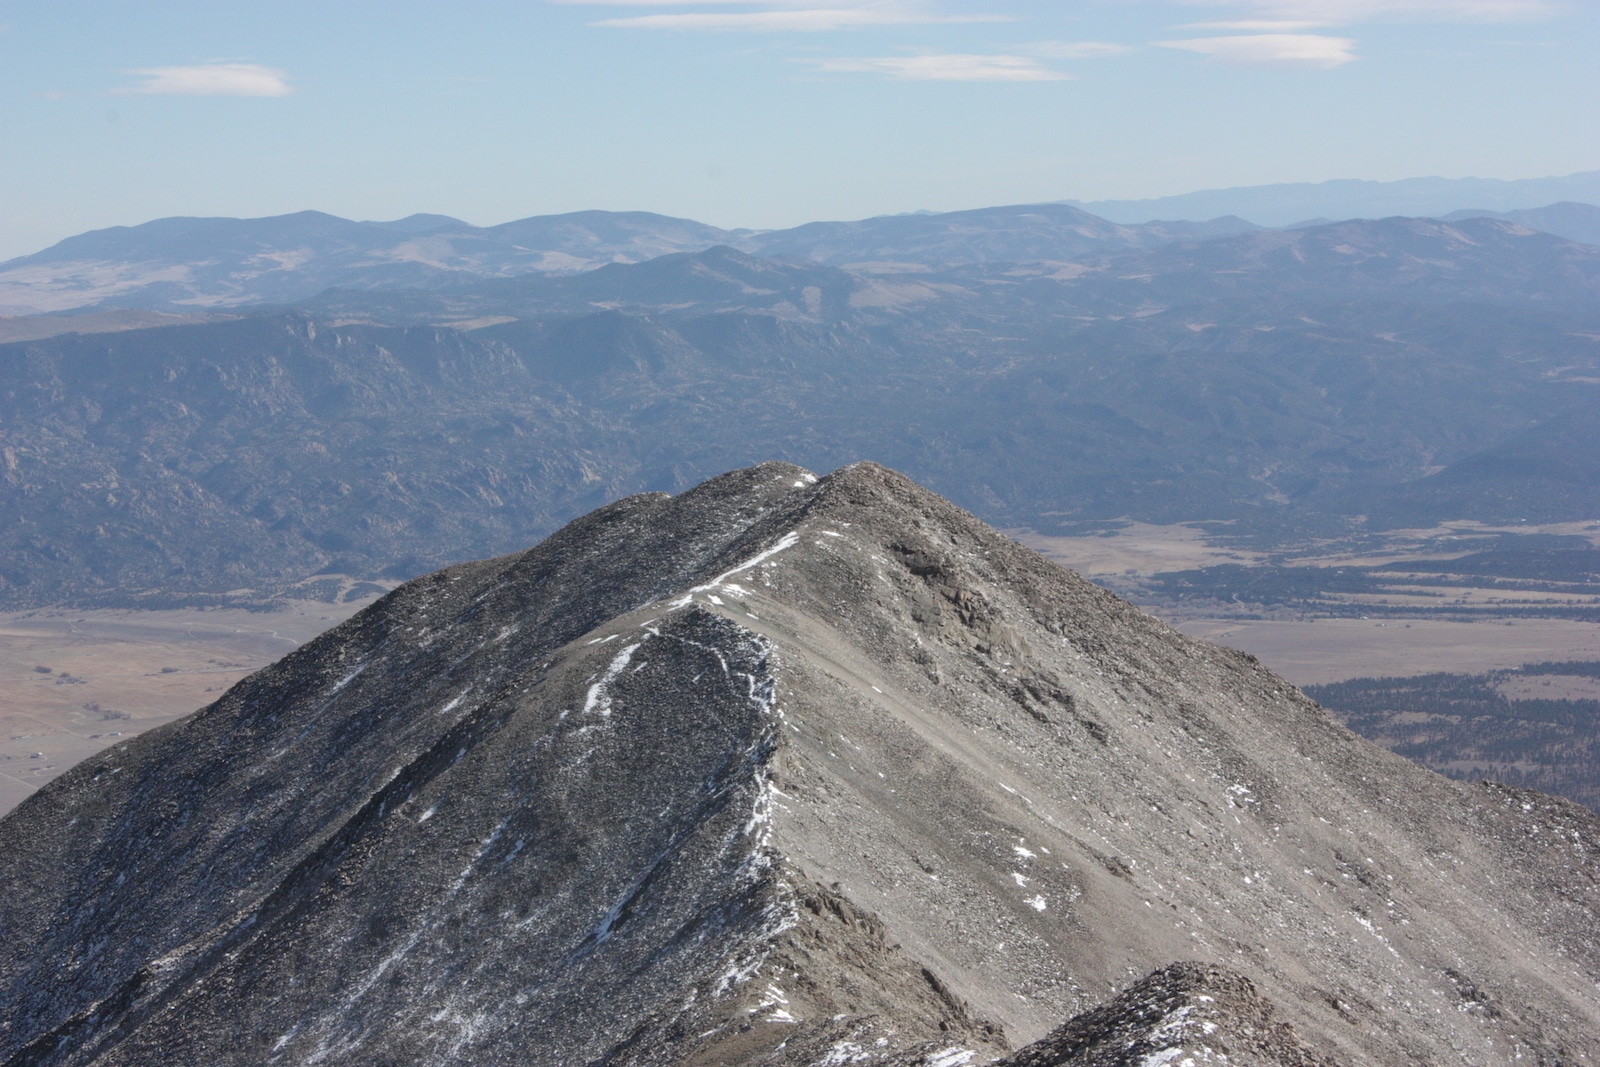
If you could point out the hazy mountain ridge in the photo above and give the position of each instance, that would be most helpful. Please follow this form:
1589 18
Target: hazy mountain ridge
1262 377
193 264
1478 259
189 265
928 796
1033 232
1575 222
199 263
1287 204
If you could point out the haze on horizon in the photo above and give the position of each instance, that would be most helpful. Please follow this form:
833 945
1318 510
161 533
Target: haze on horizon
764 113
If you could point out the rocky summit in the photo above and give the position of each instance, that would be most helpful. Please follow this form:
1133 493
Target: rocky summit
790 771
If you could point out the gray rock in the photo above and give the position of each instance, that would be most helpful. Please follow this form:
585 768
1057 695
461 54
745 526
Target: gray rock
783 771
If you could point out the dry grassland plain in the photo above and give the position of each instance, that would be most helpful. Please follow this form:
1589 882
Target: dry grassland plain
74 682
1313 651
1331 650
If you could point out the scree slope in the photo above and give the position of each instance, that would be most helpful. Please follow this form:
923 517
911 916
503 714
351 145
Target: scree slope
783 771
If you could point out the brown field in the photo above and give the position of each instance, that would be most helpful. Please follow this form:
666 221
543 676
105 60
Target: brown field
1138 548
1310 651
109 675
1331 650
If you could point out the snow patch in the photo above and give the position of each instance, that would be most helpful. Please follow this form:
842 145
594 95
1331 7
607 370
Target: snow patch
1166 1056
842 1053
787 541
346 680
598 696
772 997
955 1056
1241 795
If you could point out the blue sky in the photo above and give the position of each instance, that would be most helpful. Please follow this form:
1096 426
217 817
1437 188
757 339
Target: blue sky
763 112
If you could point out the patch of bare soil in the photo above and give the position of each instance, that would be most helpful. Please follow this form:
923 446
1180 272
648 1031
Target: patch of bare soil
1331 650
1136 549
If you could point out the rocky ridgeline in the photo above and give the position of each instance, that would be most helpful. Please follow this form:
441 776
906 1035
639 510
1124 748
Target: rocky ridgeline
783 771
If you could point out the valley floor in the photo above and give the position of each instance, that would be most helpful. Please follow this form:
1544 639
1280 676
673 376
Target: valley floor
1459 597
1319 651
74 682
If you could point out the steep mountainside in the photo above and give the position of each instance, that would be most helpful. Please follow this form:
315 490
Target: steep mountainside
1545 473
783 771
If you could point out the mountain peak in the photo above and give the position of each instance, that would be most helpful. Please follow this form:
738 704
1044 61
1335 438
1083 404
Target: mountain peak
780 769
421 223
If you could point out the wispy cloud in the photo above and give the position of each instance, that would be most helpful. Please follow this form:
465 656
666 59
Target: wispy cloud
1272 49
802 16
1344 12
1076 49
802 20
1274 32
1257 25
948 67
210 79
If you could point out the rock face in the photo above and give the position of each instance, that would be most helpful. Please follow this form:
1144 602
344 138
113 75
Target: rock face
783 771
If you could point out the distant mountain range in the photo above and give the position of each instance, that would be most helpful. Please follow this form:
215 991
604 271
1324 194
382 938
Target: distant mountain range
207 263
1575 222
1293 203
197 264
1408 370
211 265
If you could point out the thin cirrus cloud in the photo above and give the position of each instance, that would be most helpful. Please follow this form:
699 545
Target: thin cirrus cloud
209 79
947 67
1342 12
779 15
1257 25
803 20
1273 33
1077 49
1312 50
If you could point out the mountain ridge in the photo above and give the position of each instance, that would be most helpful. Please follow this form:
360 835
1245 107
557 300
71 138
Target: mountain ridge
191 265
1287 204
887 724
1285 377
